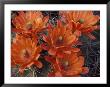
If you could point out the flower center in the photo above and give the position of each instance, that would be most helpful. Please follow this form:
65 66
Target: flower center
59 41
81 21
65 64
60 38
29 26
25 53
39 21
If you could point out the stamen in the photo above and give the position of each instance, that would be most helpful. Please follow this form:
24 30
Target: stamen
66 63
59 41
81 21
25 53
29 26
60 38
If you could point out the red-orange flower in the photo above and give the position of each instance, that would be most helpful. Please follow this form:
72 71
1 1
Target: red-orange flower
59 40
84 21
29 21
24 53
70 65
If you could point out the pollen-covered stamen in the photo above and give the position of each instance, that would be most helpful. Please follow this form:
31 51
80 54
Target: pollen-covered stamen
72 20
28 26
39 20
65 64
60 38
25 53
81 20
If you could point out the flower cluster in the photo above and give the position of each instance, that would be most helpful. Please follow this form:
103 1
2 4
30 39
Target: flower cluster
60 41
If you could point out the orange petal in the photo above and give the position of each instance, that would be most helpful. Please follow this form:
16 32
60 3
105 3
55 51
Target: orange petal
38 64
80 62
93 20
46 19
60 54
67 52
85 70
76 50
37 51
77 33
49 26
90 29
54 63
71 39
59 24
58 74
71 73
91 36
47 39
52 51
50 59
17 30
52 74
44 46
